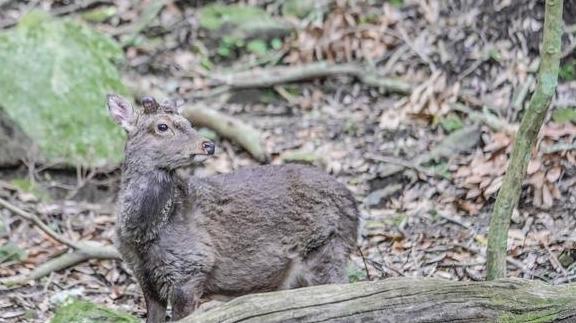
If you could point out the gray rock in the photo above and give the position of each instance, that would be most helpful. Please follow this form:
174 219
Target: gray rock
14 143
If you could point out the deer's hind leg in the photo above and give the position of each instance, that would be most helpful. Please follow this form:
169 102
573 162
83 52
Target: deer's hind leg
325 265
186 298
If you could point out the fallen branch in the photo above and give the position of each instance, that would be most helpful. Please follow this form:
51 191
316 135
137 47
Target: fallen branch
556 148
403 164
404 300
226 126
36 221
82 250
64 261
146 17
459 141
269 77
487 118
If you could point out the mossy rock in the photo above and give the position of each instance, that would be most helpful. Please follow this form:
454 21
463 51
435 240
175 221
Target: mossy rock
86 312
54 75
241 22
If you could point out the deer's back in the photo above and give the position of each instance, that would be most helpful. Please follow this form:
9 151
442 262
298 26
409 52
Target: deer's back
260 218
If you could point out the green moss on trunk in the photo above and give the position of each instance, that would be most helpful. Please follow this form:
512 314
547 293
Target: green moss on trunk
509 194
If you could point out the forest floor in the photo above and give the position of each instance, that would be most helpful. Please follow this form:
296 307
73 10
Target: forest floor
424 163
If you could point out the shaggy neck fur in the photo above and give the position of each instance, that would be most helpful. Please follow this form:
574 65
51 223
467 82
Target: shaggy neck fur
148 200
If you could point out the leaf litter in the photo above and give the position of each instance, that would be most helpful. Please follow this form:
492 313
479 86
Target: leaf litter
425 191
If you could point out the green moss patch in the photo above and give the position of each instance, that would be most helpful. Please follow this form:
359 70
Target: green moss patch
86 312
54 75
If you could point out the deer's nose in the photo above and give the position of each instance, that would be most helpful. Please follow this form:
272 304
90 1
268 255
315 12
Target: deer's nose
208 147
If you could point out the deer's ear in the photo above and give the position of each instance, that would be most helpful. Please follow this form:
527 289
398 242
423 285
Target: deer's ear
121 111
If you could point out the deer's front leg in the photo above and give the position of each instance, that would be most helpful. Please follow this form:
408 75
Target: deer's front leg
156 309
186 298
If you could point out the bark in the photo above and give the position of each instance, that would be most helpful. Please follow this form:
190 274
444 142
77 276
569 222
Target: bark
404 300
532 120
276 75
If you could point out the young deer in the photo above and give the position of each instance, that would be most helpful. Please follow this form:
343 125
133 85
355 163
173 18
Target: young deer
258 229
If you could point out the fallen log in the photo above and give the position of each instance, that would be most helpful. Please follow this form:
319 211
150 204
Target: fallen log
404 300
268 77
228 127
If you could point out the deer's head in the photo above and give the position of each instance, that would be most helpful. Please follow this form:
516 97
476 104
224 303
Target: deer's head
158 136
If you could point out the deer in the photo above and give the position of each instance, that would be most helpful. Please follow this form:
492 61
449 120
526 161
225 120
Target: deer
188 240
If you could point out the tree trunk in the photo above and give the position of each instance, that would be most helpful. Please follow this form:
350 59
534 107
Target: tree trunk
404 300
532 120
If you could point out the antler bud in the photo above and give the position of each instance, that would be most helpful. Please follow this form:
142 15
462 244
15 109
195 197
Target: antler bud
169 106
150 105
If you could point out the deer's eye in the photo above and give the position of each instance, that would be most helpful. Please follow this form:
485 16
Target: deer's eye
162 127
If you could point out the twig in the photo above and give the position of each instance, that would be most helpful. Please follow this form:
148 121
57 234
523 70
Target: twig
147 15
418 52
365 264
471 69
558 148
403 163
77 6
64 261
455 220
554 260
213 92
268 77
286 95
487 118
461 264
401 51
524 268
41 225
458 141
83 250
226 126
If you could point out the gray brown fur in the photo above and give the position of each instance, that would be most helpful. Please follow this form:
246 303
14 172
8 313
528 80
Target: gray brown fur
258 229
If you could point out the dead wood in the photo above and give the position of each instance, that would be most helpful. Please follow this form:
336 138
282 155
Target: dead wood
81 250
228 127
268 77
404 300
492 121
457 142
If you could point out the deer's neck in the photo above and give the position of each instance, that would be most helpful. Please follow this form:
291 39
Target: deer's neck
149 198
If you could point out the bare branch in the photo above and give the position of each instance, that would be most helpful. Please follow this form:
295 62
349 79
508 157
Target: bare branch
41 225
269 77
226 126
67 260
